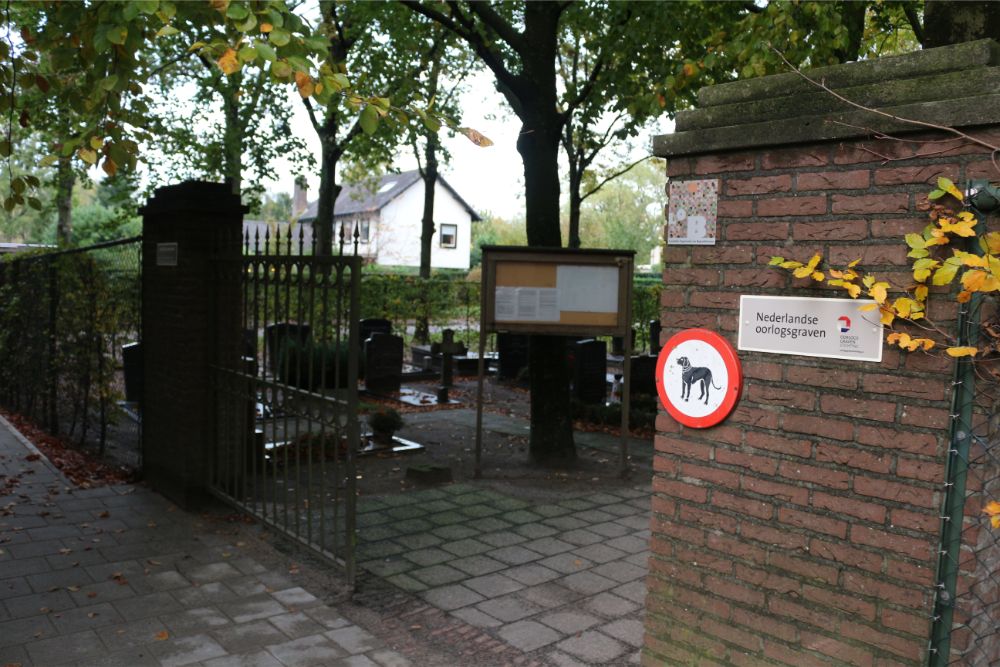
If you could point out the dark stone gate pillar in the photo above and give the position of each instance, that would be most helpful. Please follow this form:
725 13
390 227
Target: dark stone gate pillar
186 229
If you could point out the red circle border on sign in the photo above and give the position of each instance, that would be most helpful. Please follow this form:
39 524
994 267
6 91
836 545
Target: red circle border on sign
733 368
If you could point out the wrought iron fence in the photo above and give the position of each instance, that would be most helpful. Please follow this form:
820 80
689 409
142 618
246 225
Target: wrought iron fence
287 402
64 319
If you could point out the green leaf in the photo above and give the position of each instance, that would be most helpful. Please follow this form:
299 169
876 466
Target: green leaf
342 80
237 11
775 261
369 119
34 203
249 24
17 185
247 54
917 253
279 37
936 194
117 35
265 50
148 6
281 69
8 204
166 31
4 148
945 274
317 43
109 83
916 241
432 124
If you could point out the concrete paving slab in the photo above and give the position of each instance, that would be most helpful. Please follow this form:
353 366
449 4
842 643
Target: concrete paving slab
311 651
528 635
594 647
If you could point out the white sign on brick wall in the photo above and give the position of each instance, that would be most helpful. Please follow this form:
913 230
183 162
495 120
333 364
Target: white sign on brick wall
811 327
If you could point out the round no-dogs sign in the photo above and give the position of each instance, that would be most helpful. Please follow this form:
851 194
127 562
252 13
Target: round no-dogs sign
698 377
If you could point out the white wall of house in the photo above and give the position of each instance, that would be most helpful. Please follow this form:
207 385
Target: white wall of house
395 239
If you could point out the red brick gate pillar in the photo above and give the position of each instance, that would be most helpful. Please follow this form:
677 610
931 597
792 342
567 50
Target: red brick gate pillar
804 529
186 229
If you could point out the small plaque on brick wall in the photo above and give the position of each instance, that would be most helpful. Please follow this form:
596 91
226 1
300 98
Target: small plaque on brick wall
811 327
166 254
693 212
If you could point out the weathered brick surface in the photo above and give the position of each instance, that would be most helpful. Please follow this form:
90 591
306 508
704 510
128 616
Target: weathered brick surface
802 530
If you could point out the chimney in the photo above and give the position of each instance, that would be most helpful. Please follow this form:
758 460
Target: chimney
300 199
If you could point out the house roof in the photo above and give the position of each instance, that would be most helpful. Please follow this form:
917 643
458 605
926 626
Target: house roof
362 198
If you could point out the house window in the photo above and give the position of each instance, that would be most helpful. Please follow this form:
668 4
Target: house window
348 226
364 231
449 236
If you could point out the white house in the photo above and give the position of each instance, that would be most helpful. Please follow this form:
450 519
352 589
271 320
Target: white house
388 216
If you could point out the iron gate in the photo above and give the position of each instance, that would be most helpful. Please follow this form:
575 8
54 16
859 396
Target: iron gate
287 427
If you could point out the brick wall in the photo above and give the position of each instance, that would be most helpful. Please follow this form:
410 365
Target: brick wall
803 530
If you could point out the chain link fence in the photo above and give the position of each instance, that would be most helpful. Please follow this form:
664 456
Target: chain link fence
64 320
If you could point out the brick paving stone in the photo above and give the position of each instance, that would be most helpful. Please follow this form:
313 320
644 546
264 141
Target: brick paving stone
147 605
36 548
595 516
629 544
384 549
548 546
294 625
245 636
406 512
447 518
531 574
452 597
253 659
195 620
477 565
407 583
437 575
454 532
587 583
41 583
491 524
610 529
328 617
566 563
438 506
635 521
628 630
248 566
521 516
104 591
601 499
66 648
560 659
503 538
38 603
620 570
634 591
13 655
408 526
473 616
372 519
569 622
388 658
600 553
576 504
387 567
125 636
160 581
528 635
311 651
592 646
296 597
493 585
19 630
466 547
418 540
177 651
509 608
204 574
86 618
610 605
533 531
354 639
479 511
515 555
581 537
549 595
429 556
243 588
12 588
639 560
205 594
567 522
550 510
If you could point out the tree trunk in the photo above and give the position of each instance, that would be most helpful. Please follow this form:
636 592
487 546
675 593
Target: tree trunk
65 180
232 139
954 22
575 200
854 22
551 440
430 175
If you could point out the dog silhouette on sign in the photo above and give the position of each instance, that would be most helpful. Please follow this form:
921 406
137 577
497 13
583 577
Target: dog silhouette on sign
691 374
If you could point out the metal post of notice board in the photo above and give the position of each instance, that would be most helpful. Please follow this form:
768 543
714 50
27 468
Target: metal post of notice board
533 273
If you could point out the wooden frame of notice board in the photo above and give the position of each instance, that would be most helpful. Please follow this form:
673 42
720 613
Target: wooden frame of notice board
557 292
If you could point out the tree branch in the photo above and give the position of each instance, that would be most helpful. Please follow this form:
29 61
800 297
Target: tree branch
911 15
312 115
614 176
504 30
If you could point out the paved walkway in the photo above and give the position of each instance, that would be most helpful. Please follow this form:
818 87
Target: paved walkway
118 576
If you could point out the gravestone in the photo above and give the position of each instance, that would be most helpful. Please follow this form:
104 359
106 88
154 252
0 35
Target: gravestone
277 336
590 372
618 344
373 325
643 376
448 349
383 363
513 352
655 328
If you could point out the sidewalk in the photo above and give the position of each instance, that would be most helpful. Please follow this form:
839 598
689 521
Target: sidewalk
119 576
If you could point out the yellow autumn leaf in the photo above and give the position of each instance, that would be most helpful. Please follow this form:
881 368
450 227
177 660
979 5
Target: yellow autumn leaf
853 290
818 276
897 337
802 272
963 297
228 62
834 273
961 351
992 510
87 155
109 166
867 307
949 187
266 27
927 343
853 264
879 291
945 274
991 284
920 292
476 137
161 636
958 227
868 281
992 241
887 317
973 280
304 83
790 264
902 306
96 143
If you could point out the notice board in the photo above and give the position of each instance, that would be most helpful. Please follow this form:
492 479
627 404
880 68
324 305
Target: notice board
569 291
